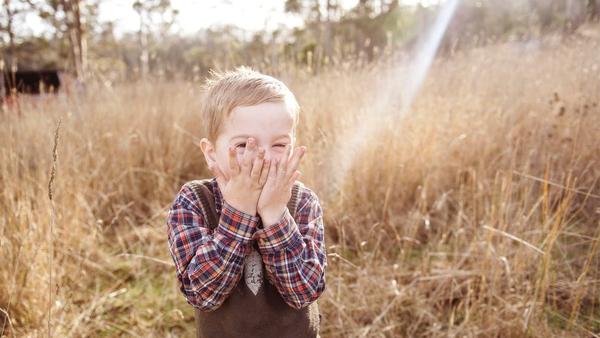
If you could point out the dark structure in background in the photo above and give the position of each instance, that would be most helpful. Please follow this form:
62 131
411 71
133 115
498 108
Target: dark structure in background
31 82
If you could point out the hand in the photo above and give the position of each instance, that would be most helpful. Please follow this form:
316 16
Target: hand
277 190
242 185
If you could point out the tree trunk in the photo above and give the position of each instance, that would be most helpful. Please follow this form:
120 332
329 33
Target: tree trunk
318 54
144 54
81 39
2 88
593 10
76 35
575 15
11 61
327 33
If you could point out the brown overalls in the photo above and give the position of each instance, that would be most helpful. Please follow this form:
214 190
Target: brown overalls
244 314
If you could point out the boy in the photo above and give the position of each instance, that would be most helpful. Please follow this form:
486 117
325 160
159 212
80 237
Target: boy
266 227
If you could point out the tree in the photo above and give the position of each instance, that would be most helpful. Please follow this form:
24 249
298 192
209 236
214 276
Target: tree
592 9
72 20
319 25
76 35
156 17
12 9
9 62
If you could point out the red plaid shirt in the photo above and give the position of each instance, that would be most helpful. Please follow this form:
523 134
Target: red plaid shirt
209 263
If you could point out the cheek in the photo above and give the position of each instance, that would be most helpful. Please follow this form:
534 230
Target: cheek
223 162
239 154
278 155
273 154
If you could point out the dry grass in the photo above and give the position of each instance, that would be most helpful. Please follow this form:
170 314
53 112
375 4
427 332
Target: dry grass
475 215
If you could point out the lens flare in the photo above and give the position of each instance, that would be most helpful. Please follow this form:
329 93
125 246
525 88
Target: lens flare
392 99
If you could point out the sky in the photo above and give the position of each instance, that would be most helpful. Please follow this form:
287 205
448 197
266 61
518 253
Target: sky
250 15
197 14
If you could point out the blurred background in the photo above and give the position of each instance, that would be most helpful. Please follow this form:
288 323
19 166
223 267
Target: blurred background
453 145
111 40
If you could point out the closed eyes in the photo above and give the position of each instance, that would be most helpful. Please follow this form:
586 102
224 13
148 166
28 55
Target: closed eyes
243 145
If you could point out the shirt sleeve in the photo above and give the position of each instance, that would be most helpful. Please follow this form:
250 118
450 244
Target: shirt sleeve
208 263
294 254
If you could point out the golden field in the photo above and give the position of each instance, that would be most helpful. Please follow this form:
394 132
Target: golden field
476 214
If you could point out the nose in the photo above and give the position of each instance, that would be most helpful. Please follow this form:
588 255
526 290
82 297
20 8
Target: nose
269 154
273 153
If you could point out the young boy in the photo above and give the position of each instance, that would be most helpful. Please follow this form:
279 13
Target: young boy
257 231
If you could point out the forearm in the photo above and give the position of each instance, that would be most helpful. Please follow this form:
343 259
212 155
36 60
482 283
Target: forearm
212 263
295 263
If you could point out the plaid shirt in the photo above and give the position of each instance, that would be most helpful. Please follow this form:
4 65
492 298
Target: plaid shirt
209 263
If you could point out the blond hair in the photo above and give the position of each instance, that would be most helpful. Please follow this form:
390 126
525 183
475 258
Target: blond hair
241 87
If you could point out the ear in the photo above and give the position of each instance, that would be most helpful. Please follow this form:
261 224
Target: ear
208 149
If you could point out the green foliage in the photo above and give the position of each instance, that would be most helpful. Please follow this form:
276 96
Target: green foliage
330 35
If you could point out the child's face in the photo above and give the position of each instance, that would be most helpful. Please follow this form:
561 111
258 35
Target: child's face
269 123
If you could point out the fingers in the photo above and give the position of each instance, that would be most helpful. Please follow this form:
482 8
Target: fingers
281 172
294 177
248 156
295 160
258 164
265 172
233 164
273 169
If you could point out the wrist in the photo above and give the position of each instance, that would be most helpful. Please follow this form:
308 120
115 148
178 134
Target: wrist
272 215
248 209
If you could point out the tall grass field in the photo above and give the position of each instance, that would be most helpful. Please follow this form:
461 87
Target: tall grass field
475 214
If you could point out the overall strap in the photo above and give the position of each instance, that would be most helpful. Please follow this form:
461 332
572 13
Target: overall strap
293 202
207 201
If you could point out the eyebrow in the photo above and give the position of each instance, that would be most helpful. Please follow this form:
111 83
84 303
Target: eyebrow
246 136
